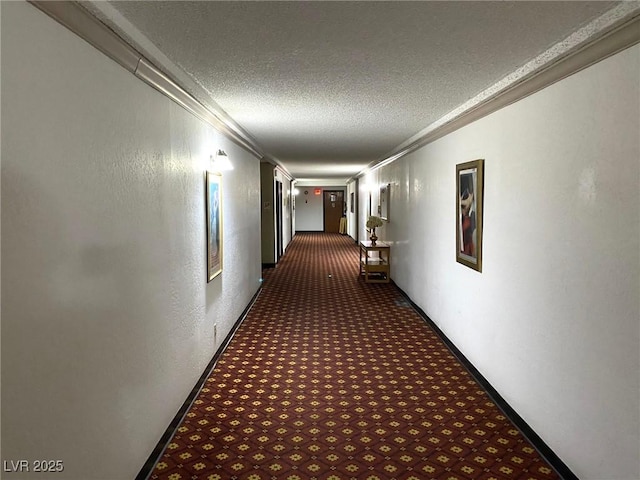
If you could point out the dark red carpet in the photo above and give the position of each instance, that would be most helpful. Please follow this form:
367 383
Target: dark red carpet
332 378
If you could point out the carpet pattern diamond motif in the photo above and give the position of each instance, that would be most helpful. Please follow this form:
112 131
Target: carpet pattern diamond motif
330 378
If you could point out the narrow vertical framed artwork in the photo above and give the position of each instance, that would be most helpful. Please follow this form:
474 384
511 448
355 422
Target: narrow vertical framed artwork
385 198
469 208
214 225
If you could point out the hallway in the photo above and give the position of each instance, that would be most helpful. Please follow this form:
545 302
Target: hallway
331 378
110 315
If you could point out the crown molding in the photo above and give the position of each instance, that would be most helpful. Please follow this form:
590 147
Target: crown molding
609 36
151 75
81 22
91 30
618 36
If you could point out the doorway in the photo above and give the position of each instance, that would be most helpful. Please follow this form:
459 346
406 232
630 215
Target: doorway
333 208
279 246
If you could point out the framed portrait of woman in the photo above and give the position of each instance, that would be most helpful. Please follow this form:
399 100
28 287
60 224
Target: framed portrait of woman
469 207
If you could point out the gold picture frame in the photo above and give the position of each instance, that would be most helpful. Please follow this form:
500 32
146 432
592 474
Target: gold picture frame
469 208
214 224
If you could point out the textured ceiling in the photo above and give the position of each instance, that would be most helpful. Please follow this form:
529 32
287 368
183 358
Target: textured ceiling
325 88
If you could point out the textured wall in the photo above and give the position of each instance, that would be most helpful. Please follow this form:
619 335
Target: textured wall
309 210
107 318
553 321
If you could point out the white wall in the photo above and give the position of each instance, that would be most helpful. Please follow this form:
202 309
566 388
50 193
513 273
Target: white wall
309 211
553 321
352 217
368 202
107 318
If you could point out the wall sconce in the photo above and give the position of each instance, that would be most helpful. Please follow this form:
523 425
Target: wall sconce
296 191
221 162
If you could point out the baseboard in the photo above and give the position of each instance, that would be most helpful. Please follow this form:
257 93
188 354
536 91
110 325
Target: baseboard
543 449
157 452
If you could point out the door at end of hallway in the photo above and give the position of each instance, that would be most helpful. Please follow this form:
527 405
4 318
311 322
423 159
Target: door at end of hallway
333 207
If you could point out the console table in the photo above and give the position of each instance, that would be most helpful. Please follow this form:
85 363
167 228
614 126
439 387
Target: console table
375 261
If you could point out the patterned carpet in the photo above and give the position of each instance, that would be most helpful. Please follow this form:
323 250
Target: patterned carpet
330 378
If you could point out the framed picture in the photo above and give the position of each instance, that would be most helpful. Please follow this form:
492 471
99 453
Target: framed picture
214 225
469 207
385 196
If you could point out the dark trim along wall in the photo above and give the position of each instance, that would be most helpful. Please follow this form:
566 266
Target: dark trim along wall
157 452
545 451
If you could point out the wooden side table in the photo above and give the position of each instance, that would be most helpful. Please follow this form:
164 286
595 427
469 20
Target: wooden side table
375 262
